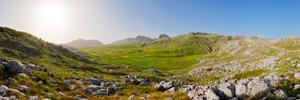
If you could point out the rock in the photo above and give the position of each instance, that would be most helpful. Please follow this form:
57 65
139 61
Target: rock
80 83
131 97
16 66
296 87
72 87
257 89
79 97
244 81
40 83
24 88
111 90
32 66
279 93
270 95
60 93
67 82
298 65
143 98
171 90
75 78
168 85
235 98
3 60
225 91
147 95
116 85
9 81
51 80
33 98
3 90
100 92
6 98
49 93
16 91
297 75
298 95
12 97
203 92
291 98
170 98
90 89
241 91
93 81
34 78
46 99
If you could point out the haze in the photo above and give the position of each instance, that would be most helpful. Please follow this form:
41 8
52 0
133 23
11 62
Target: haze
62 21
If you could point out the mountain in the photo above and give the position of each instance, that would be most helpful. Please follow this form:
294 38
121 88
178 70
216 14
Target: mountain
163 36
192 43
138 39
82 42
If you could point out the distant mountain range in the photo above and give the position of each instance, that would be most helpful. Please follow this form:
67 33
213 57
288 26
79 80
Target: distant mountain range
138 39
82 42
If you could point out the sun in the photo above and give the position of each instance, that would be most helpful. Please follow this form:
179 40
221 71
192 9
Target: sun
52 14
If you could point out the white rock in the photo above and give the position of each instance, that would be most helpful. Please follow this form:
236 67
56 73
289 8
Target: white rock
297 75
297 86
241 91
257 89
279 93
131 97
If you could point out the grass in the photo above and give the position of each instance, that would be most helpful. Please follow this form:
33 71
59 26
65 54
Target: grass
246 74
142 58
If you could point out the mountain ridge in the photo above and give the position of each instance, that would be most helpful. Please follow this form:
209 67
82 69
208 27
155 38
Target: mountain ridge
82 42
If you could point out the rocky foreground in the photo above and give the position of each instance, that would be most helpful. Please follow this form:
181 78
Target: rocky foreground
251 88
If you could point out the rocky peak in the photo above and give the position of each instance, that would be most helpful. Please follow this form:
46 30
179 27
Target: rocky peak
163 36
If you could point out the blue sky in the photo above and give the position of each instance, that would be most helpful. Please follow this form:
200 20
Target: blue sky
110 20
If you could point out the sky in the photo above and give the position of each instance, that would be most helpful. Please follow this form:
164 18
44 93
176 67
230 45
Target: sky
61 21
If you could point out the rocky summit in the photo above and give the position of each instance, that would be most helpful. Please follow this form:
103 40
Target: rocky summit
193 66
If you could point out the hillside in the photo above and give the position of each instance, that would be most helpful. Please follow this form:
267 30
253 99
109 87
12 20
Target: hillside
22 45
82 42
138 39
190 66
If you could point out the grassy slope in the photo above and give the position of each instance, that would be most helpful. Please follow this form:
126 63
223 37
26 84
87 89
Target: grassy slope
30 49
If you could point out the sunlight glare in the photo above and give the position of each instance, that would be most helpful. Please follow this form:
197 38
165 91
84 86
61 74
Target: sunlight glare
52 14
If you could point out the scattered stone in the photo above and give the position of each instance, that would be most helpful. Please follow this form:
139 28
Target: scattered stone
225 91
67 82
203 92
33 98
16 91
3 90
170 98
241 91
90 89
24 88
9 81
16 66
32 66
79 97
40 82
60 93
111 90
257 89
297 75
93 81
131 97
279 93
296 87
